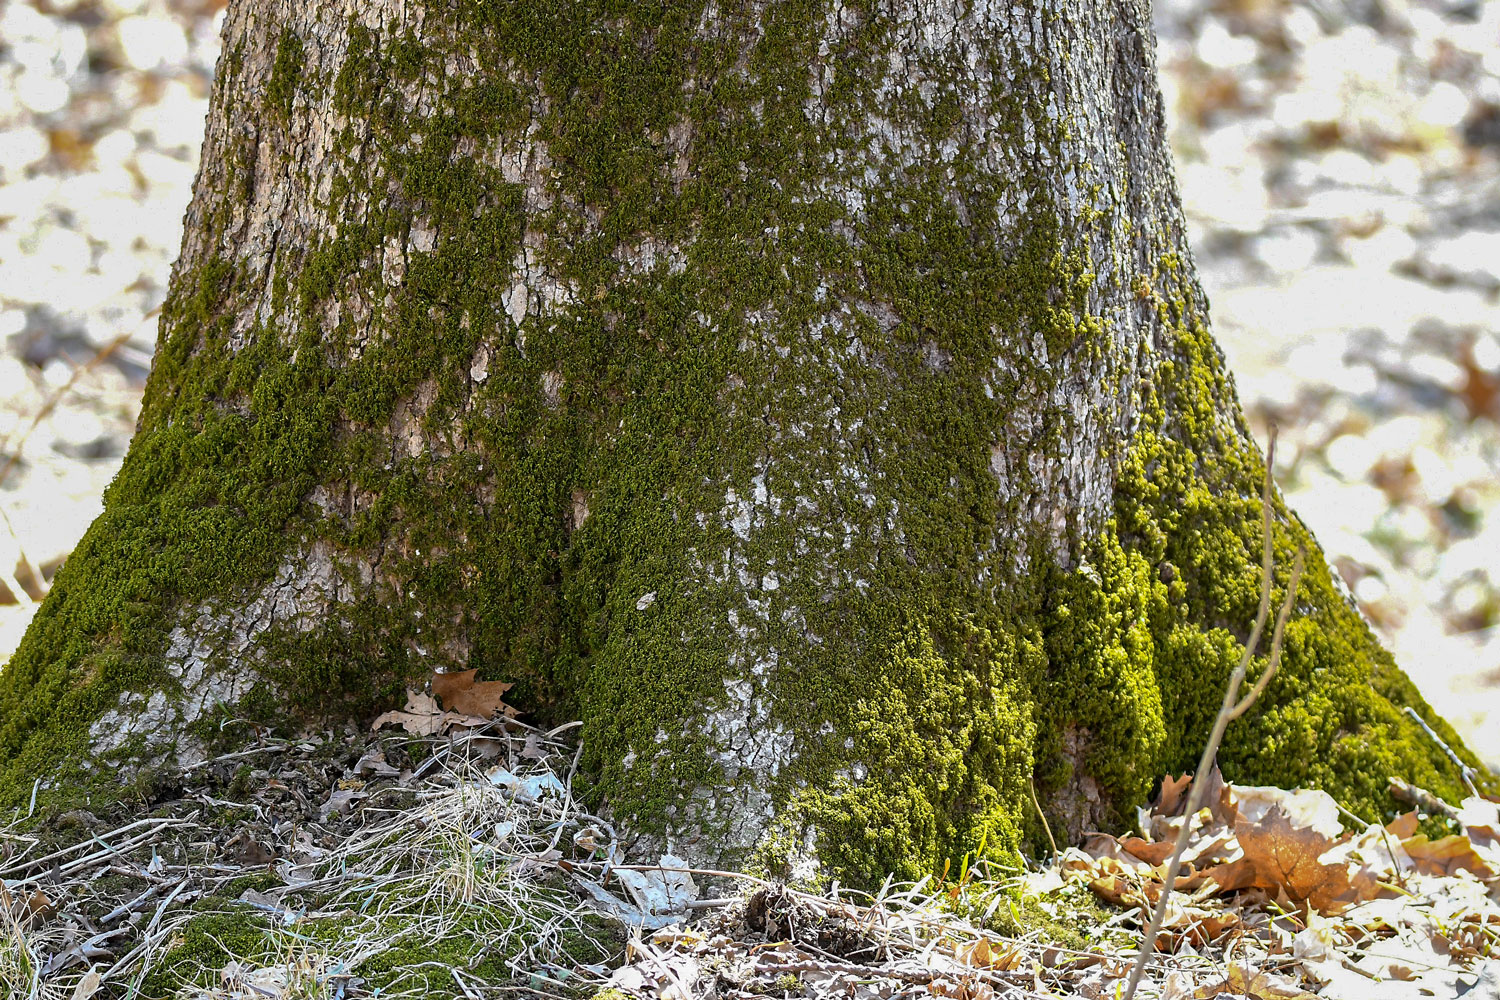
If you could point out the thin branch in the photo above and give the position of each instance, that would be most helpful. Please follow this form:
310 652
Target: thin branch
1230 709
1281 616
1463 769
1031 783
1424 800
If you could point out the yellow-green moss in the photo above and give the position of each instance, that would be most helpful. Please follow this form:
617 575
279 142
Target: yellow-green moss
1161 618
411 963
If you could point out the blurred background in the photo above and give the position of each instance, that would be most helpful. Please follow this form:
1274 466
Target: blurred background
1340 165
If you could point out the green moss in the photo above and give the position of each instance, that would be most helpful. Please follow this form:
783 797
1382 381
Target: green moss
483 942
1063 917
203 947
286 74
1157 622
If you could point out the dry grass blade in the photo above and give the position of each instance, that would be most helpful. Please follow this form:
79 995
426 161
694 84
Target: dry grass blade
19 963
1031 785
459 872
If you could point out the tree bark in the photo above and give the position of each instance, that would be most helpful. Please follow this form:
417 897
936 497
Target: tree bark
813 397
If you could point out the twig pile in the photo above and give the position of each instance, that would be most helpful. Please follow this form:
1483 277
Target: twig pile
463 846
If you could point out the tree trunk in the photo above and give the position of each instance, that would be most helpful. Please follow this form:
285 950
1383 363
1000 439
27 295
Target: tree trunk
814 398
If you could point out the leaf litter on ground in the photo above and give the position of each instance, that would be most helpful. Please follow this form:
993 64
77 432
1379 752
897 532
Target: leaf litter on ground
457 701
1346 911
1278 900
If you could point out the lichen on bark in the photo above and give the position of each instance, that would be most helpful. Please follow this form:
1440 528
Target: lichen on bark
812 397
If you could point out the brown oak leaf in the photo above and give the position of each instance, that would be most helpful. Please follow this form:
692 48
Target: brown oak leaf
461 693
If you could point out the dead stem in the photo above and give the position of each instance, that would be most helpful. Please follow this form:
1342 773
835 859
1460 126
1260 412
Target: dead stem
1232 708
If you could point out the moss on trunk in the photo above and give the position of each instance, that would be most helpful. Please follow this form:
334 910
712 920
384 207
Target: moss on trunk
813 398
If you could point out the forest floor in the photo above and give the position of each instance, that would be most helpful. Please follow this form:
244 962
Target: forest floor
464 863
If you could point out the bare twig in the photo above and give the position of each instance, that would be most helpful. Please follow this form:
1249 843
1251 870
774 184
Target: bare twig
1464 770
1275 660
155 825
1421 798
1231 709
1031 783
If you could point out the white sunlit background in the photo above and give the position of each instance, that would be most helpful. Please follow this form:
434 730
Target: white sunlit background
1340 164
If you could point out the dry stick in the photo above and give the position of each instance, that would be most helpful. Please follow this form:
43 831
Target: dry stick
1384 837
1275 661
21 865
1412 795
1463 769
1231 708
1031 782
850 911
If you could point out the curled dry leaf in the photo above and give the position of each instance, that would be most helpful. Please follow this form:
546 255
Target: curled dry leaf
423 717
469 704
1173 794
27 908
1446 856
1293 853
1480 819
461 693
1261 985
88 985
958 989
982 954
1288 844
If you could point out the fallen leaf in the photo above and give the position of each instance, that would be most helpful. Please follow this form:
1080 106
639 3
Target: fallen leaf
1280 854
660 891
88 985
374 763
28 910
1446 856
1403 826
1480 819
1259 985
424 717
1152 851
1289 844
959 990
981 954
340 802
417 725
1304 808
1173 795
461 693
246 849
